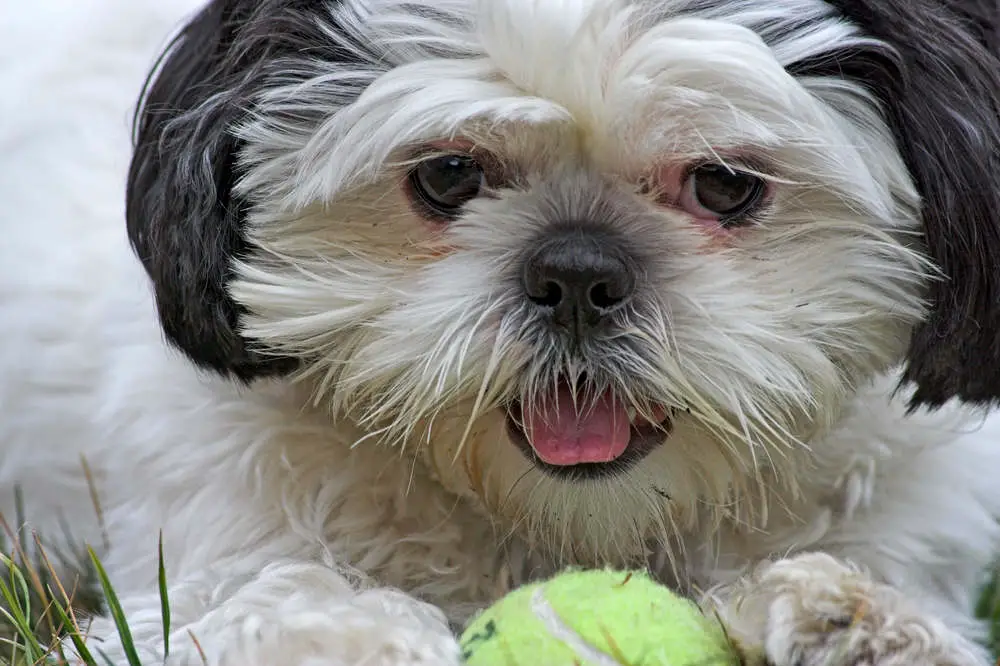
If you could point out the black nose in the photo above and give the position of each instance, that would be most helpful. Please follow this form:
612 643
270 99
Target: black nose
579 277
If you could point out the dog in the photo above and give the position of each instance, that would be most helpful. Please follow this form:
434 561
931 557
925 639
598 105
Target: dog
377 309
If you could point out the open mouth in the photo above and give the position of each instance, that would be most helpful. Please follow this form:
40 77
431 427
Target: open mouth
588 438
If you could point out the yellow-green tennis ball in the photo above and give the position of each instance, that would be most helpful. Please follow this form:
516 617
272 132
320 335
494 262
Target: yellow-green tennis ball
595 618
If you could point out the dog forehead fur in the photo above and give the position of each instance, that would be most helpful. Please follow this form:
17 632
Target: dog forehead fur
260 349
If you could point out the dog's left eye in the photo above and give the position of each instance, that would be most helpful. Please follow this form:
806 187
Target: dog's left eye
714 191
444 184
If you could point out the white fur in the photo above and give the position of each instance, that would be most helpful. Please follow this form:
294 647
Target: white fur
295 533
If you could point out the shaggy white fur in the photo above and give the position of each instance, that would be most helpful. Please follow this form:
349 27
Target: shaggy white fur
360 511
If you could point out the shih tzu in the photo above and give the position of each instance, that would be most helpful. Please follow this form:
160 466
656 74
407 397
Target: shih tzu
391 305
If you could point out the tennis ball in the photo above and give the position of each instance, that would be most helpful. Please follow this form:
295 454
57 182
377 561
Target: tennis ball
595 618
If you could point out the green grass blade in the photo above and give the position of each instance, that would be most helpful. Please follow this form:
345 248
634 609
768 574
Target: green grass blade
18 612
15 650
987 599
74 636
115 608
164 602
21 593
19 514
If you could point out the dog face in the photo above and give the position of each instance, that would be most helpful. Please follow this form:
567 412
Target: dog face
601 264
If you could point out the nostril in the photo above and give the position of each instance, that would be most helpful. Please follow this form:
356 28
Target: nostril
602 298
550 294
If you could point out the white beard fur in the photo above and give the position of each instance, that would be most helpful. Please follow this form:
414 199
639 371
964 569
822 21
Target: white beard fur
268 513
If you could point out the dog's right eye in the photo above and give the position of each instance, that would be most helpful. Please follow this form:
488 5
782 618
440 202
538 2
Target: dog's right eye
442 185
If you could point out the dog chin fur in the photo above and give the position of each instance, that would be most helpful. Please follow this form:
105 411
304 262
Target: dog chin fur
302 384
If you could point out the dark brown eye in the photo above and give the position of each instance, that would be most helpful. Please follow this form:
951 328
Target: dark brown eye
444 184
717 191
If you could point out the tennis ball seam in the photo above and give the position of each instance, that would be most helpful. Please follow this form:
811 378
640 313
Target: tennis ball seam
549 617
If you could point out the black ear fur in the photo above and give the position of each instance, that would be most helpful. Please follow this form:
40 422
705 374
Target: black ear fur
184 223
940 94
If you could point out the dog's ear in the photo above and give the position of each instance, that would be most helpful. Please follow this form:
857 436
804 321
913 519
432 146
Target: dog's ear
939 86
183 220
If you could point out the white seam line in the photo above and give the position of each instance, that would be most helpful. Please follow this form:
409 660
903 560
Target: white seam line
561 631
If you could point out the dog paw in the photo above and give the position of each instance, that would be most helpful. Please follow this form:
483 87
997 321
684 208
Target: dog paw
377 628
814 610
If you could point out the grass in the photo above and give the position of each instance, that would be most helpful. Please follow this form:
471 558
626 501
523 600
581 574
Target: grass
36 610
988 609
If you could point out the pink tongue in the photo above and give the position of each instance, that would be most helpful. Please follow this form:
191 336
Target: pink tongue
564 433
